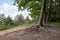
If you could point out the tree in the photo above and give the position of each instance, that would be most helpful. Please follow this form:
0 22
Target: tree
37 12
55 11
27 18
34 5
42 13
19 19
2 17
8 21
49 11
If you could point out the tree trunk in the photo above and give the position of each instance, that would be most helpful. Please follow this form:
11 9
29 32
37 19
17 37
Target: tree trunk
40 23
58 10
44 18
49 12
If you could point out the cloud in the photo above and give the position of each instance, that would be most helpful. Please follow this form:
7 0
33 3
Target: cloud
6 6
1 12
10 10
13 11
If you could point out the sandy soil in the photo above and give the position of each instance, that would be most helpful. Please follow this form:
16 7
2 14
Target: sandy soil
30 33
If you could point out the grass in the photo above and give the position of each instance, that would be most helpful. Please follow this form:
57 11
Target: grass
3 27
56 23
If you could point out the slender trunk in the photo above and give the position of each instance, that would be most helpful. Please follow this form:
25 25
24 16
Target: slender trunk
44 18
49 12
58 9
40 23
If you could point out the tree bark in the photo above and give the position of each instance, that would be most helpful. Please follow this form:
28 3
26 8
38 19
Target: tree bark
49 12
40 23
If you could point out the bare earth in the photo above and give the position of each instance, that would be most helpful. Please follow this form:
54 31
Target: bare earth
30 33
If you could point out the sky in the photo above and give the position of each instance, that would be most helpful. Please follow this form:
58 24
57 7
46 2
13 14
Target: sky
7 8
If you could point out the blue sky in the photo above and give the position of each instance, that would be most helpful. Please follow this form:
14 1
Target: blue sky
7 8
8 1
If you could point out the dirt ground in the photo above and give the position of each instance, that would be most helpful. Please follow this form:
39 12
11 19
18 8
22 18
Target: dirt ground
30 33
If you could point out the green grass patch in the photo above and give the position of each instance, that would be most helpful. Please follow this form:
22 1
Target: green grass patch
56 23
3 27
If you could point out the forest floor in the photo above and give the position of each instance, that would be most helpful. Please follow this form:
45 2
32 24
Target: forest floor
31 33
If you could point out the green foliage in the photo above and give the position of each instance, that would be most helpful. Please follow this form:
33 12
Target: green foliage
56 24
19 19
55 13
5 23
33 5
2 27
8 21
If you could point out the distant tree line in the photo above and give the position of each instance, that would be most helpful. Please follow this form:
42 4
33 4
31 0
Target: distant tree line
8 22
